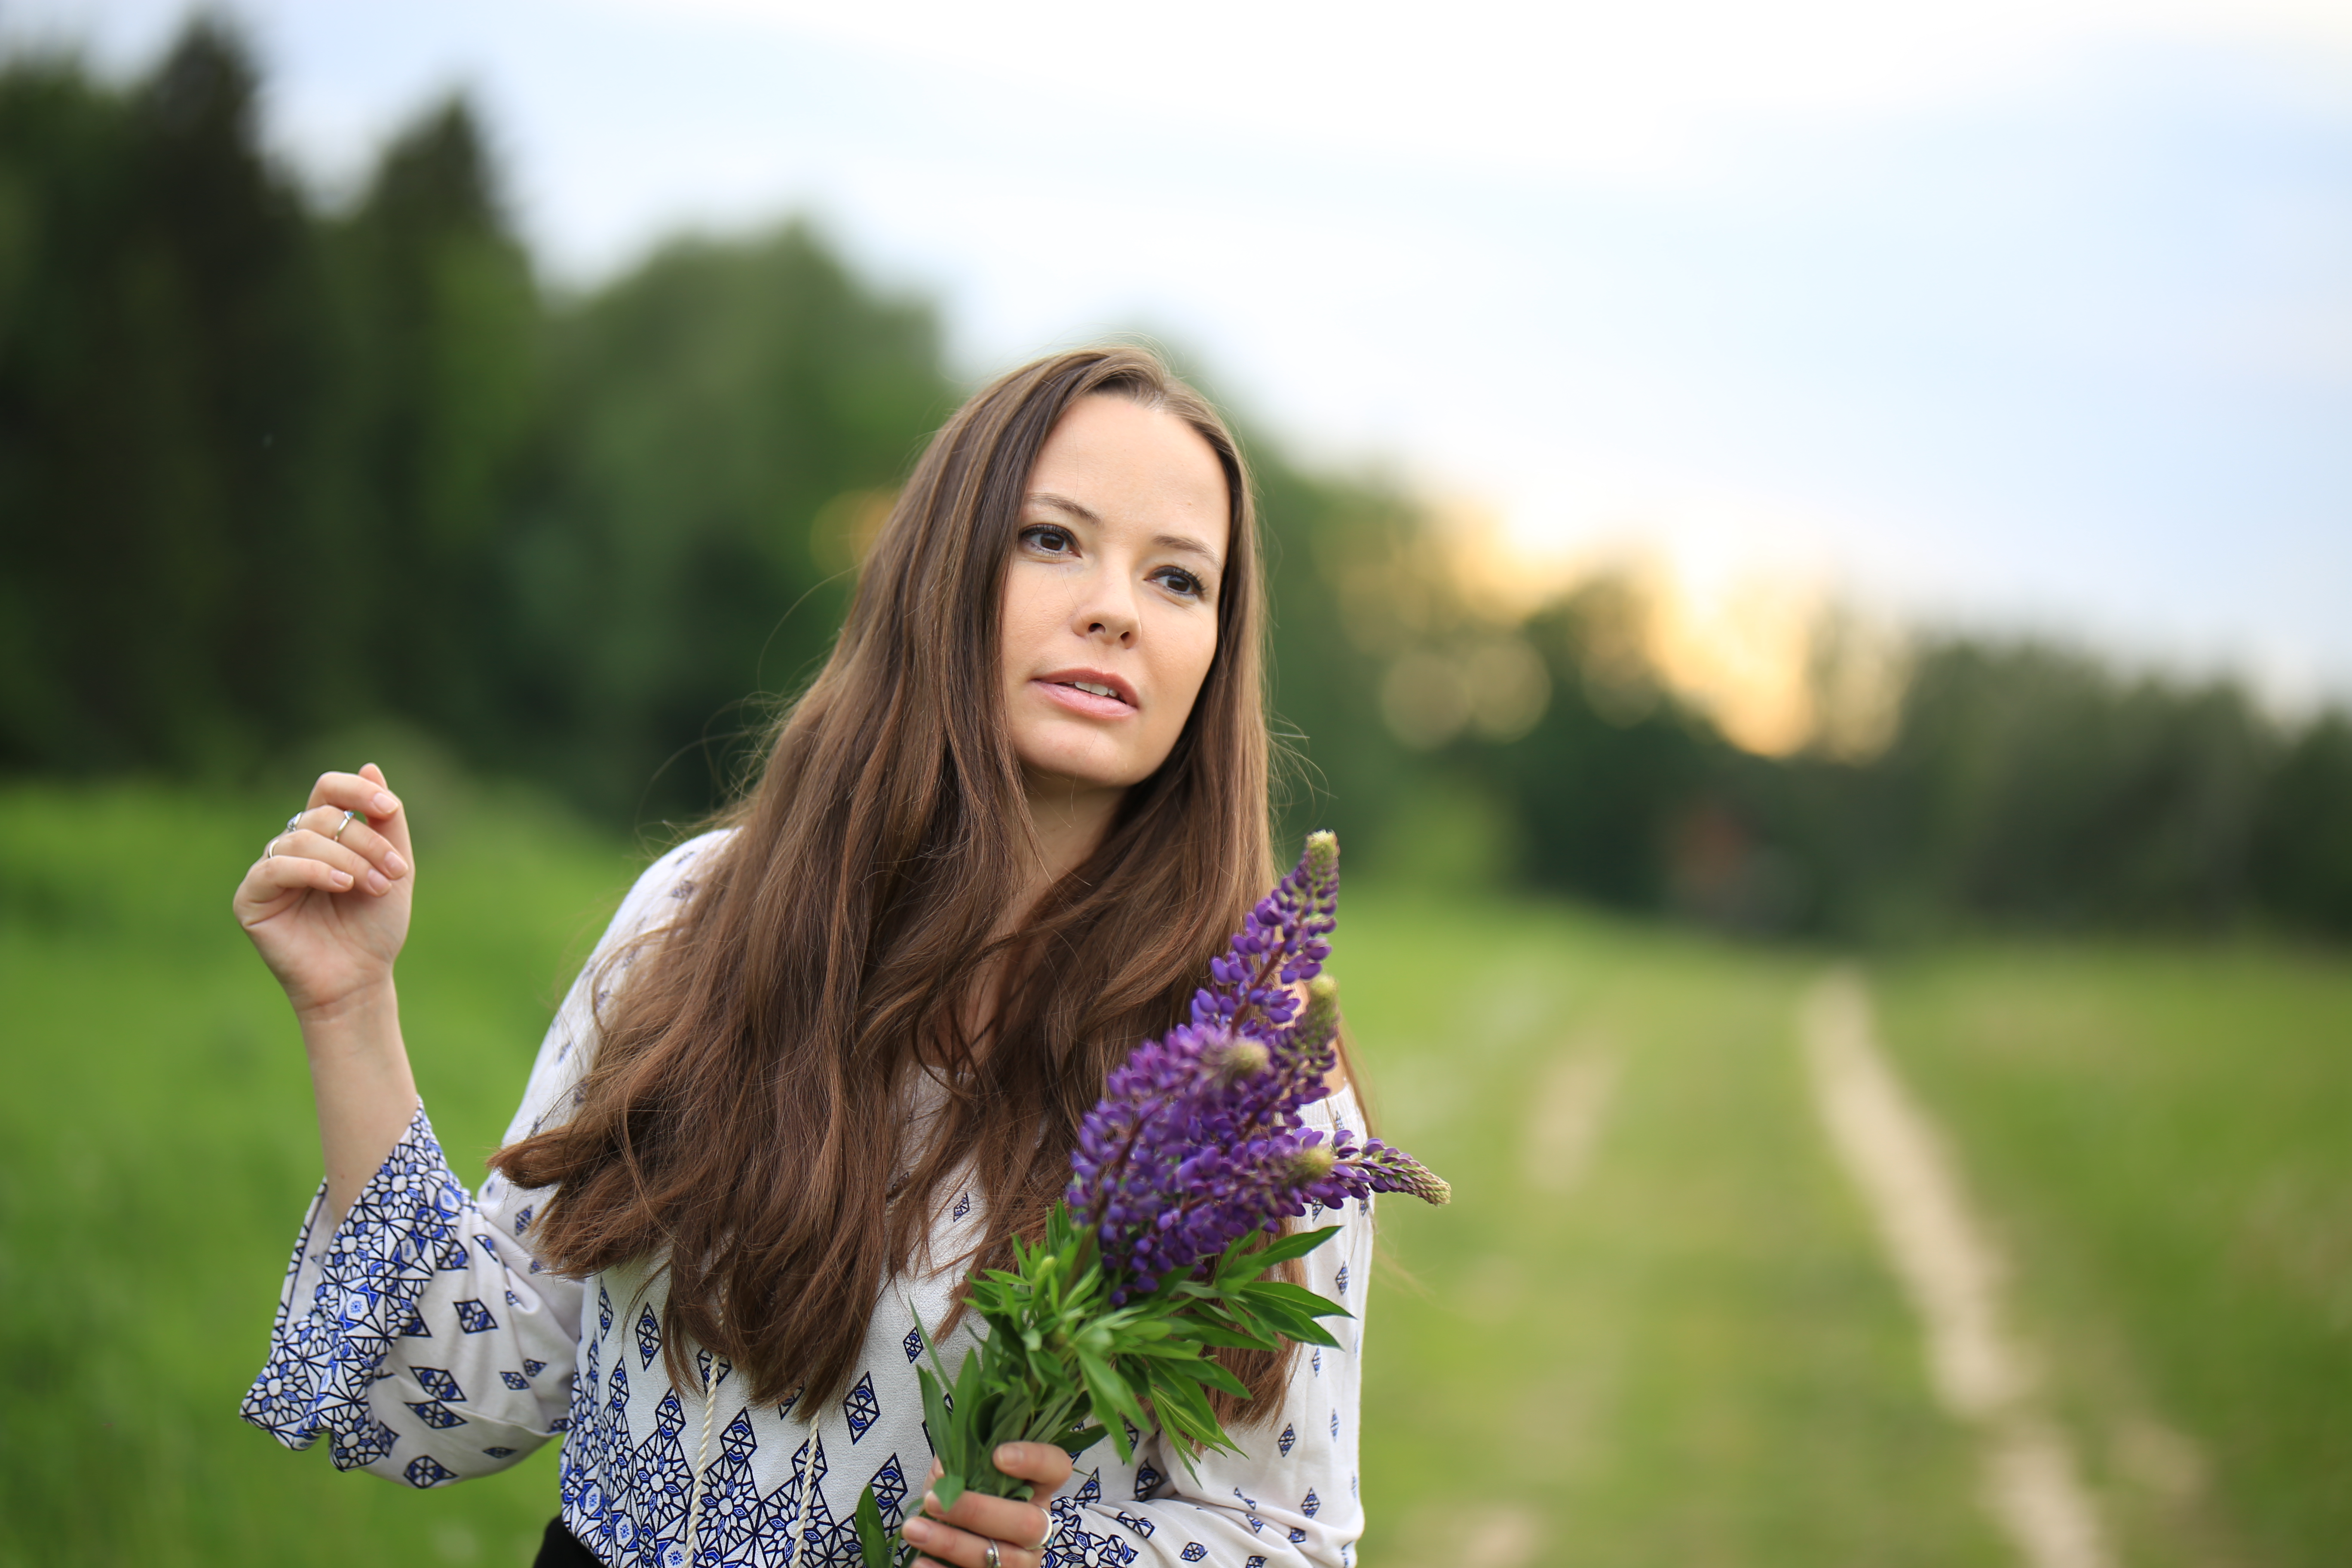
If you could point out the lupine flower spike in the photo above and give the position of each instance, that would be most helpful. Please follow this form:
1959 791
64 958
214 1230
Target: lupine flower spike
1161 1249
1197 1141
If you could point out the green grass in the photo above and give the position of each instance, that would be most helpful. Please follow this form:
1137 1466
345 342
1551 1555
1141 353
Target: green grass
1691 1355
157 1150
2166 1138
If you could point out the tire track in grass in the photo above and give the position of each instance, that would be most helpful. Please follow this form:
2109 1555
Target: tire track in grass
1940 1251
1569 1101
1564 1118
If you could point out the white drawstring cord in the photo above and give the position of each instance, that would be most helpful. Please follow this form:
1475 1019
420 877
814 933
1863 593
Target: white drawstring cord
803 1471
701 1457
709 1359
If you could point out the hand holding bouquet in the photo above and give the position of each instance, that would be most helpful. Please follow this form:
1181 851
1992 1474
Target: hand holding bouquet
1159 1253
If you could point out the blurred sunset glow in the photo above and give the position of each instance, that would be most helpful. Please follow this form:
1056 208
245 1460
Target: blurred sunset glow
1773 654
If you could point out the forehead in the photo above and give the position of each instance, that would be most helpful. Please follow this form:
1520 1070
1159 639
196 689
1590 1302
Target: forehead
1132 467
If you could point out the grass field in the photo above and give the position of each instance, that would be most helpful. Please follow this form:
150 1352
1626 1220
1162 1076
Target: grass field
1654 1328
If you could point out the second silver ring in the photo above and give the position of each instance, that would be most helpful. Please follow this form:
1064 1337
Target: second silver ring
337 834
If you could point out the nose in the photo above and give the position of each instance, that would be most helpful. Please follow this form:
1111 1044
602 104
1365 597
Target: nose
1106 610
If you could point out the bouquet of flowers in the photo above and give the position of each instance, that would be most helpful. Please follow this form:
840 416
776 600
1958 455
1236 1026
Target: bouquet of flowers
1160 1253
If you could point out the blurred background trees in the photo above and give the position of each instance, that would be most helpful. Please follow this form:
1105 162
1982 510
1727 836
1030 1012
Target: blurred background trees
268 467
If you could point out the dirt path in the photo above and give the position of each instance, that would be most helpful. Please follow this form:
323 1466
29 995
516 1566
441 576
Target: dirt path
1981 1373
1564 1116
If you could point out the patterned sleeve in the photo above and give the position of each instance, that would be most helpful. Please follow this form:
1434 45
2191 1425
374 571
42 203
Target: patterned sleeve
1291 1497
420 1337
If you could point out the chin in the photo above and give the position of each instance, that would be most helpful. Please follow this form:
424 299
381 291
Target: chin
1082 772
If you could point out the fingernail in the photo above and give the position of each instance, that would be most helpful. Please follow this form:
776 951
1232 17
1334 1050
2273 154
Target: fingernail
383 804
916 1531
376 884
343 879
394 864
931 1502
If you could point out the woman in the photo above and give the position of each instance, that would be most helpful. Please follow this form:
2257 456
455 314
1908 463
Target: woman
835 1054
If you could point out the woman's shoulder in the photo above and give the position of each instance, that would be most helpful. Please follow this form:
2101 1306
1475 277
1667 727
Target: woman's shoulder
1339 1110
669 881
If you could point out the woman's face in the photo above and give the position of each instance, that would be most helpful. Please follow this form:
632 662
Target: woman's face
1110 602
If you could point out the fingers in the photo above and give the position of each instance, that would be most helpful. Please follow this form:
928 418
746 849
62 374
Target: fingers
378 833
355 792
1043 1463
283 873
960 1536
308 844
365 853
325 850
945 1546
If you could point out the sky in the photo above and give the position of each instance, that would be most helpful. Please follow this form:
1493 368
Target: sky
1991 314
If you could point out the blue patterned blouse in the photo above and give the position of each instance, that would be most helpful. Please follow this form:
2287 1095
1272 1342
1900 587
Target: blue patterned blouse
423 1340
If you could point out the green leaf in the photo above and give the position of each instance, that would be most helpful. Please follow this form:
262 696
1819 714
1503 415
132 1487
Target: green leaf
943 1425
1297 1326
1076 1440
1010 1422
1185 1411
1305 1299
1217 1374
873 1544
966 1387
1289 1310
1297 1243
1164 1350
1224 1339
946 1488
1111 1393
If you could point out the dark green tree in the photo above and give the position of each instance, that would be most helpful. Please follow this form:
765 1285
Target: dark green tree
2028 783
159 379
439 329
2302 850
722 423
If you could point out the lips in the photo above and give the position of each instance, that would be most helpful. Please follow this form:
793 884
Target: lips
1094 692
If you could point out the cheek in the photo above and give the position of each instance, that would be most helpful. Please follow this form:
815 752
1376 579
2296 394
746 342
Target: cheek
1187 670
1015 631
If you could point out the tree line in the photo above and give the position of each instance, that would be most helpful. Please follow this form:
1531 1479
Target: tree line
269 465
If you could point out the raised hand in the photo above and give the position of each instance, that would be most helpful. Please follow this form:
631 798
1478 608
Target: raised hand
326 905
328 902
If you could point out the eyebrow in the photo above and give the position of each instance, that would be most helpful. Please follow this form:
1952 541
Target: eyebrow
1183 542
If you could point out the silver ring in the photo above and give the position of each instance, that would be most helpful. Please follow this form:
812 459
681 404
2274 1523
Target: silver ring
270 850
990 1557
337 836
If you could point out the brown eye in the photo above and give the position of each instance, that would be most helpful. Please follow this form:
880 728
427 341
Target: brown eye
1044 536
1178 581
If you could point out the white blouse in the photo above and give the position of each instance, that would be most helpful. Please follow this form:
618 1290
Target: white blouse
425 1341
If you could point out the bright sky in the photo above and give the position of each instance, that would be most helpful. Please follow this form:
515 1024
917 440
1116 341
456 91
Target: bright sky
2028 315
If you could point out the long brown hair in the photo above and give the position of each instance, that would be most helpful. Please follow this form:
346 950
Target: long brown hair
742 1120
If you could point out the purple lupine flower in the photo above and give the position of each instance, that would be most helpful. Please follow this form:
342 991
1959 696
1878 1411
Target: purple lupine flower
1197 1141
1283 941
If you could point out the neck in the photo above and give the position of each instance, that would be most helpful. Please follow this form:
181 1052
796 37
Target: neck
1070 819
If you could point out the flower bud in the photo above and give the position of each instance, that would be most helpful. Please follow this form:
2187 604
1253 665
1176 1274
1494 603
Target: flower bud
1239 1058
1312 1163
1322 1012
